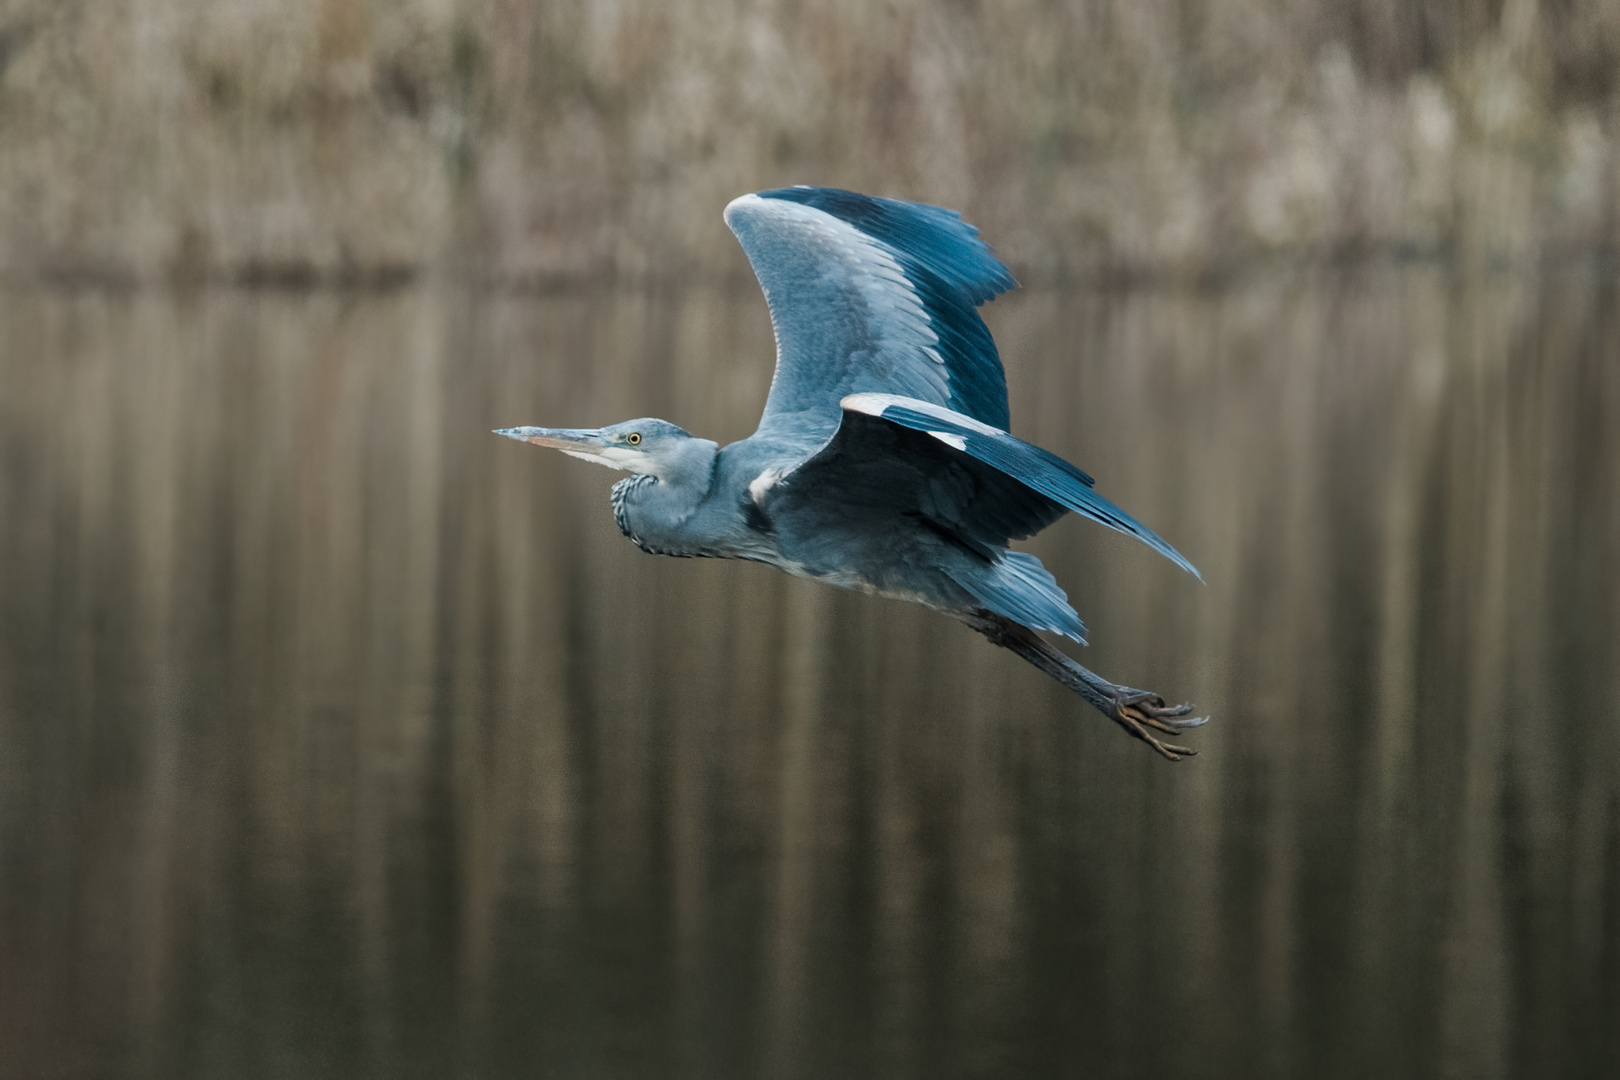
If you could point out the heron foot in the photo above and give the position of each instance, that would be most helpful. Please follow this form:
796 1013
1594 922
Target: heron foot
1138 710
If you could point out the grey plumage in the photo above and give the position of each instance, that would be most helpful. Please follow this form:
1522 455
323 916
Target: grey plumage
882 461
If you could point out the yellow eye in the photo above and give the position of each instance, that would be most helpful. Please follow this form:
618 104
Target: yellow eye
634 438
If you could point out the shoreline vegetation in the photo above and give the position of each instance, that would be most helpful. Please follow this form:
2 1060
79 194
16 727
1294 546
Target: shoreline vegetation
278 144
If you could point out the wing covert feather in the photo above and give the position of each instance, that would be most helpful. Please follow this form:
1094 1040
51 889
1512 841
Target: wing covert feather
1020 464
870 295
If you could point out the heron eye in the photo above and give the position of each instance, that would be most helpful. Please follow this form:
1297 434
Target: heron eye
634 438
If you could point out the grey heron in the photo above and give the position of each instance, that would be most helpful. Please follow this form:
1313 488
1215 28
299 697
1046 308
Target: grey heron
883 461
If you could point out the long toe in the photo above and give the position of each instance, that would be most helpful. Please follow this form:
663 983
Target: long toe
1138 710
1137 724
1169 723
1151 704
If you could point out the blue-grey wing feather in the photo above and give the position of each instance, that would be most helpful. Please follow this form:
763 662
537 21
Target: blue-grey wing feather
870 295
875 465
1034 468
873 477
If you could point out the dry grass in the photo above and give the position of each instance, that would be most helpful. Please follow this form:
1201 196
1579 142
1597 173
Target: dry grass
271 140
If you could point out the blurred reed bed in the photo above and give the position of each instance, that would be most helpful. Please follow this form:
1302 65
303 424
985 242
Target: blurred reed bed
338 736
283 142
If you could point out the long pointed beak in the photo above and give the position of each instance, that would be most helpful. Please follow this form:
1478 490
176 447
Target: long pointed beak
586 441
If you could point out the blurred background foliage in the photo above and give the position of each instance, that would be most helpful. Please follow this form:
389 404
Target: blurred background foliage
518 141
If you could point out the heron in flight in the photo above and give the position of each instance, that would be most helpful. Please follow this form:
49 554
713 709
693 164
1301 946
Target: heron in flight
883 461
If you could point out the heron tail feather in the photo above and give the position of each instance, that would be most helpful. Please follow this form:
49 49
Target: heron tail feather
1016 586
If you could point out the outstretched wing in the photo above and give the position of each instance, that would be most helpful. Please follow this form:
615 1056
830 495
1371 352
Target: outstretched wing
874 477
882 470
1019 488
870 295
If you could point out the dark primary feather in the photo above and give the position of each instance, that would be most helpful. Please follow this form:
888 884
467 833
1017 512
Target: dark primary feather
935 239
1019 461
883 480
888 469
870 295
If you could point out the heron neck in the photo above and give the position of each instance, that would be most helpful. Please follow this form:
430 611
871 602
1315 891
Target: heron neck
654 511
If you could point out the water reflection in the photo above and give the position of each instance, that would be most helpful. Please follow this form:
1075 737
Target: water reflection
340 737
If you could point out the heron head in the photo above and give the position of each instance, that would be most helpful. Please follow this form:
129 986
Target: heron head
647 446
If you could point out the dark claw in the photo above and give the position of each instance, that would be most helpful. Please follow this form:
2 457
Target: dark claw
1176 725
1136 724
1152 704
1138 710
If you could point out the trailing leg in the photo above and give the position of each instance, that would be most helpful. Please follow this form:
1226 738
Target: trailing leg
1136 711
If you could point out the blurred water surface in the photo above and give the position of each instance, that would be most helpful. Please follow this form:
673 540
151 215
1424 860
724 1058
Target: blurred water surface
339 737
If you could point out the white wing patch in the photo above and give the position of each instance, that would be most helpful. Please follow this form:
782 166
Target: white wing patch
763 483
958 442
874 404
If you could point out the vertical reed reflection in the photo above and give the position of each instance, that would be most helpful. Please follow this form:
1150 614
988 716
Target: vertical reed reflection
339 736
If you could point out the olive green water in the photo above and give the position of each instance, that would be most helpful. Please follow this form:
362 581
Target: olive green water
340 737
